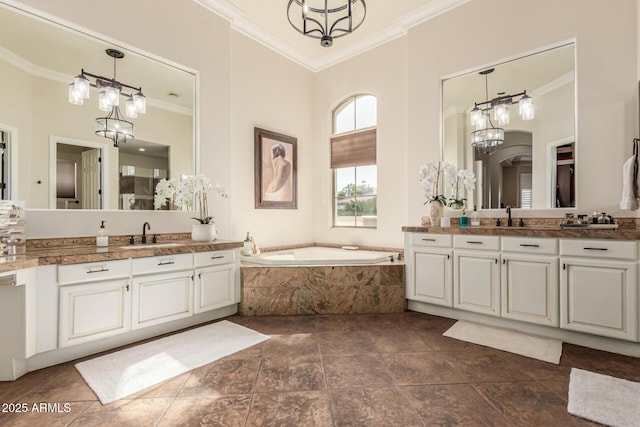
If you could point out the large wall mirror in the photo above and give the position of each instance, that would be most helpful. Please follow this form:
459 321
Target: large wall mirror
534 167
56 160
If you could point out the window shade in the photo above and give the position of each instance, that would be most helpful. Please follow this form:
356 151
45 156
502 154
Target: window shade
354 149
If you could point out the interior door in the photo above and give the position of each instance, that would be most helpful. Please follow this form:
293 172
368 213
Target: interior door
91 179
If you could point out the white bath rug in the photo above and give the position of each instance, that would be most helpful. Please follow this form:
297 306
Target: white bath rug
536 347
604 399
116 375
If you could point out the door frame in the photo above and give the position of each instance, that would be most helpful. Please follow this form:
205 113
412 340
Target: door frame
53 146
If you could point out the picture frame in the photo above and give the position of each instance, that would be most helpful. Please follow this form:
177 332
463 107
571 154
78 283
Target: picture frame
275 170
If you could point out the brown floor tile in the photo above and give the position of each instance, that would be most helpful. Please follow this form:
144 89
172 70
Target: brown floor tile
290 374
290 409
529 404
334 370
452 404
228 411
421 368
138 412
363 370
345 342
372 407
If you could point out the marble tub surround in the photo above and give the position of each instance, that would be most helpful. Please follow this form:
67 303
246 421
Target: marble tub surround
345 289
332 245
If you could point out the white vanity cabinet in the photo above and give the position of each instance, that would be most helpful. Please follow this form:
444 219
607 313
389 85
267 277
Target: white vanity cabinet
476 273
598 287
429 264
162 289
529 285
215 280
95 301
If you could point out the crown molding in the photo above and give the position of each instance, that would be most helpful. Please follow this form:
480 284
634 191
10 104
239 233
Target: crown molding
240 23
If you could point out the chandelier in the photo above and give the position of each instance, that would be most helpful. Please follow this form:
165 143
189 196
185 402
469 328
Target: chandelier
335 19
112 126
487 137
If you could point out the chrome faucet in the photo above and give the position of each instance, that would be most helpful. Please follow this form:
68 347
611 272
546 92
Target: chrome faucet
145 227
509 220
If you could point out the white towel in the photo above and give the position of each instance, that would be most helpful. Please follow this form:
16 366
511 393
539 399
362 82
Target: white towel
629 186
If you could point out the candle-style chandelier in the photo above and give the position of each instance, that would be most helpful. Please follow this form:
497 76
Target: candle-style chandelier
487 137
113 125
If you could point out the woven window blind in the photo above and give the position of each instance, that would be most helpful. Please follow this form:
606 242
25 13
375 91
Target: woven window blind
354 149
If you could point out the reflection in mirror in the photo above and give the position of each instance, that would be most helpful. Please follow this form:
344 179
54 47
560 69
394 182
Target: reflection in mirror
38 61
533 165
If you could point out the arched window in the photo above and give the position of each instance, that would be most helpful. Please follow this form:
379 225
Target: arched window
353 161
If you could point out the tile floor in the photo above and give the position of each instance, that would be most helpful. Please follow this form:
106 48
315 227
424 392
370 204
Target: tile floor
333 370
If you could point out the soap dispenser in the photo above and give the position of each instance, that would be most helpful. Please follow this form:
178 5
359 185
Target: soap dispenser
475 217
102 239
464 220
247 246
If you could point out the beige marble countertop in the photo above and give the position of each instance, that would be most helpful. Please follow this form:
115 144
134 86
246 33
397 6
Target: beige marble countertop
59 253
531 231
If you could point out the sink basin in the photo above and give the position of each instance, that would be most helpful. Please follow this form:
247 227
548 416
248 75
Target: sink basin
151 245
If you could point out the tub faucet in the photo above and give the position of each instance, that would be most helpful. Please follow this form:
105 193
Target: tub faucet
145 227
509 220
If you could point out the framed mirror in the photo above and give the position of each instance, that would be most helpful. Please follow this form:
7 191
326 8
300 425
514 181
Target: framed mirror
50 141
533 164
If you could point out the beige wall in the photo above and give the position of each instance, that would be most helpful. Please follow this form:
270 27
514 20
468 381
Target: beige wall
241 86
606 81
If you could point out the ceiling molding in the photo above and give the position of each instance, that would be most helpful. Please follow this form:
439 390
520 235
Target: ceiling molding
240 23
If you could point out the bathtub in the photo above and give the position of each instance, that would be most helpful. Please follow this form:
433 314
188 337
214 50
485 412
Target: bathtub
318 255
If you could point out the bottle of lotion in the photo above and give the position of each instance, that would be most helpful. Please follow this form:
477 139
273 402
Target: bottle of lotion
102 239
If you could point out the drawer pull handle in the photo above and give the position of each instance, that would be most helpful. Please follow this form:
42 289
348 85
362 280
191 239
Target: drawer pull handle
529 245
475 242
596 249
429 240
102 269
166 262
217 257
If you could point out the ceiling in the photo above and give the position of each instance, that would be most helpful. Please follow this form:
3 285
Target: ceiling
267 23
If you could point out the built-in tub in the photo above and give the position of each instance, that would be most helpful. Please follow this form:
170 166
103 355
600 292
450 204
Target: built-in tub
317 255
322 280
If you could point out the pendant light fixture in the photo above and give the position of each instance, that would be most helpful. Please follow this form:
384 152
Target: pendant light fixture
487 137
112 126
326 19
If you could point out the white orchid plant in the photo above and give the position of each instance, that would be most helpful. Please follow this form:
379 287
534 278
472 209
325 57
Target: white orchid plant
187 194
445 183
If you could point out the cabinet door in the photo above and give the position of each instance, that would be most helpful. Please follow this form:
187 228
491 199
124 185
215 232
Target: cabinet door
477 281
530 288
94 310
599 297
429 276
215 288
159 298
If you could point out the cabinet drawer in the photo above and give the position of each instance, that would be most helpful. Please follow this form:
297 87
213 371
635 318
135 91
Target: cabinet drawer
162 263
530 245
599 248
489 243
433 240
92 271
214 258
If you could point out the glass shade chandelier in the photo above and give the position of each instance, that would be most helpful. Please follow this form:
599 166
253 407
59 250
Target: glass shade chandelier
113 125
326 19
487 137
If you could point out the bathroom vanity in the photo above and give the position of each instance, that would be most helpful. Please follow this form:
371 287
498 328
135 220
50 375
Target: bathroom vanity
59 304
578 286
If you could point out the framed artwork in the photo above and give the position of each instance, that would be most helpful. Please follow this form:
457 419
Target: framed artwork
275 170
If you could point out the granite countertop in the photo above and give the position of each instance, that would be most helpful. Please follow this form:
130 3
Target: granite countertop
72 254
532 231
